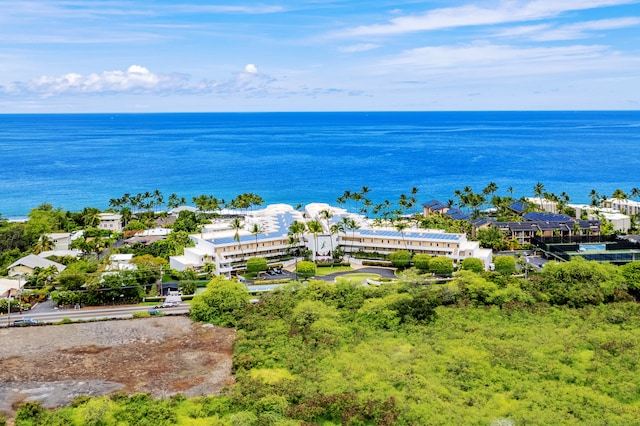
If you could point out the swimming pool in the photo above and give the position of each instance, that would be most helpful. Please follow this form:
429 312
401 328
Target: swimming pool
592 247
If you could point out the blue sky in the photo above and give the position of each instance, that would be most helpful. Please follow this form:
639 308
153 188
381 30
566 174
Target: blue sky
321 55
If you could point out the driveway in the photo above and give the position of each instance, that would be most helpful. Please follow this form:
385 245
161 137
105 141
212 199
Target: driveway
383 272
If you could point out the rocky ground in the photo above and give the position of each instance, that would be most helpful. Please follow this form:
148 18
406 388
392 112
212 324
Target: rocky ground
161 356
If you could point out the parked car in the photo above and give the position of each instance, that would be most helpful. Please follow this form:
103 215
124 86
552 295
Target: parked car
167 305
25 321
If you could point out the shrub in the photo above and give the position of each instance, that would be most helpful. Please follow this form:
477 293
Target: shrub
400 258
382 263
505 265
256 264
306 269
472 264
220 303
187 287
421 261
441 265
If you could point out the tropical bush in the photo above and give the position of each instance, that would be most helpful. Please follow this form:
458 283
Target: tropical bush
256 264
421 261
505 265
472 264
400 258
221 303
441 265
305 269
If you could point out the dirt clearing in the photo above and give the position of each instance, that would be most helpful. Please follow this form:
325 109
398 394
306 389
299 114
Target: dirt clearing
161 356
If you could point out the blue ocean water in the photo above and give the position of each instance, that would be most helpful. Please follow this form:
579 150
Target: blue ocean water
78 160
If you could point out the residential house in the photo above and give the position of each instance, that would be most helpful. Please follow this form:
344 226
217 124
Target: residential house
110 222
28 264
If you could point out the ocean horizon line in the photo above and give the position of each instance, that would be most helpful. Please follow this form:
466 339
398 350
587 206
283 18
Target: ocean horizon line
480 111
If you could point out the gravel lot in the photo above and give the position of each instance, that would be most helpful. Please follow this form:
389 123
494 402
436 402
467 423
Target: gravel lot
161 356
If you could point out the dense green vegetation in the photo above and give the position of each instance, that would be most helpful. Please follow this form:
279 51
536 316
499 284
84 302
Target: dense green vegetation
474 347
561 347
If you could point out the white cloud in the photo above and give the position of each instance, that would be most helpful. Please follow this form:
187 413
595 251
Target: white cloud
584 29
362 47
138 80
471 15
251 69
494 61
240 9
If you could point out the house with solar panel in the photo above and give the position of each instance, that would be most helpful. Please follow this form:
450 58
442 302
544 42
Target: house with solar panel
548 225
228 249
436 207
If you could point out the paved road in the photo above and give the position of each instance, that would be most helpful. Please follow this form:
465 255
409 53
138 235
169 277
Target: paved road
383 272
86 314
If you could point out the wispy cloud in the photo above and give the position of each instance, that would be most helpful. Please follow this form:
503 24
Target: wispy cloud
473 15
575 31
231 9
497 60
354 48
137 80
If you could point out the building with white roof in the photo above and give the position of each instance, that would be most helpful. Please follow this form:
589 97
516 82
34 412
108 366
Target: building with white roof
110 221
121 262
229 249
621 222
628 207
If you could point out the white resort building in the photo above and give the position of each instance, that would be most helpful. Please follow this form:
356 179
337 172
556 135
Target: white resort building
228 248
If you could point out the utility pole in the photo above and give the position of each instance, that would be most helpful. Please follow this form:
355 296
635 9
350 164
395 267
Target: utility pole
9 309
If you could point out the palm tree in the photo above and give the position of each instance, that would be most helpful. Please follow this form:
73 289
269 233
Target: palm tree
635 192
594 197
327 215
44 244
296 230
158 198
351 224
335 229
236 225
256 230
490 189
538 189
125 212
400 227
91 216
315 228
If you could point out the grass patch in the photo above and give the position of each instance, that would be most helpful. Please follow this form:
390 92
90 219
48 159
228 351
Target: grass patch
321 271
357 277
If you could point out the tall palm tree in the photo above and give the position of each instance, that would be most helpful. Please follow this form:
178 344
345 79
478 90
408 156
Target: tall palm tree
236 225
400 227
296 230
635 193
538 189
158 198
126 214
351 224
594 197
256 230
335 229
315 228
327 215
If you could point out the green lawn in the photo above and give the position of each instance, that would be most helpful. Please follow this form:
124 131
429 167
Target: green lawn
357 277
321 271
